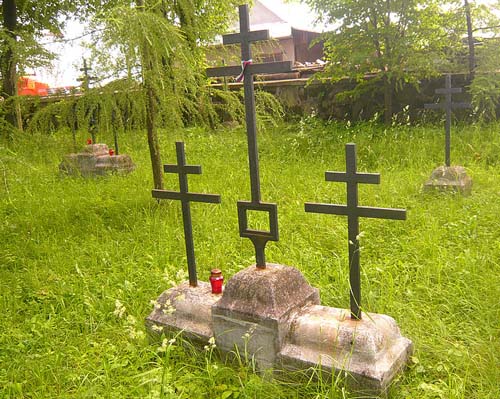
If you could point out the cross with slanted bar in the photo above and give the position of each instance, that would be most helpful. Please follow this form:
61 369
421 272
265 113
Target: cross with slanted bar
246 72
186 197
353 212
448 106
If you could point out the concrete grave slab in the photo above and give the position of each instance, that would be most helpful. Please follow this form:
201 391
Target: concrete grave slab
450 178
274 316
94 160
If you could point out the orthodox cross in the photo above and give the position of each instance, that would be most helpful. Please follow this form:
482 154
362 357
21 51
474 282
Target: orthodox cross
353 212
186 197
448 106
86 77
246 72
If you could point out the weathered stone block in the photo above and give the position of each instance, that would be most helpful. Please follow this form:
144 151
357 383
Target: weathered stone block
274 316
450 178
185 308
370 351
256 310
94 160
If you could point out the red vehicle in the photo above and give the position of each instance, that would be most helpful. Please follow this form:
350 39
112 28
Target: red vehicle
27 86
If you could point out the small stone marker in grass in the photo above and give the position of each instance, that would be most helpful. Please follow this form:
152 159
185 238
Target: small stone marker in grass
270 313
449 177
96 160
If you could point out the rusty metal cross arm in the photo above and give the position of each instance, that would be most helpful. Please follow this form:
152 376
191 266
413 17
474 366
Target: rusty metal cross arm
253 69
444 105
360 211
253 36
186 197
367 178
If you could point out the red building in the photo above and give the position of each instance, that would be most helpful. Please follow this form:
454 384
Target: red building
27 86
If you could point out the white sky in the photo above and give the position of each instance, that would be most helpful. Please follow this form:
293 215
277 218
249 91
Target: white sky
65 70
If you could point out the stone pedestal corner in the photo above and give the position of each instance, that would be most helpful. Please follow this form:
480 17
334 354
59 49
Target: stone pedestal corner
185 309
257 308
370 352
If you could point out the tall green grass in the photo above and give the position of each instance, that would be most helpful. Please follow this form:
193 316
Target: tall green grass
81 259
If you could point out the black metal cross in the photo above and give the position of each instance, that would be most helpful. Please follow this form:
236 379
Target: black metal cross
247 71
448 105
86 77
186 197
353 212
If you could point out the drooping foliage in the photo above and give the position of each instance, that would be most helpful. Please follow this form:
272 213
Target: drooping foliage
148 46
24 24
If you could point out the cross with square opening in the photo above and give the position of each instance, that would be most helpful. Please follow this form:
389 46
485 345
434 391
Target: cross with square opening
448 106
186 197
353 212
246 72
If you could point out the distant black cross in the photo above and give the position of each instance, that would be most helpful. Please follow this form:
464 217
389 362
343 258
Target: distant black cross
86 77
353 212
448 105
186 197
247 71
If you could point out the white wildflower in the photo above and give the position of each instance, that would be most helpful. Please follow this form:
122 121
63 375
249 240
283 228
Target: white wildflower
119 309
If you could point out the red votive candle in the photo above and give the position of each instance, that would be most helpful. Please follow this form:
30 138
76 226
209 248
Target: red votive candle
89 141
216 281
111 152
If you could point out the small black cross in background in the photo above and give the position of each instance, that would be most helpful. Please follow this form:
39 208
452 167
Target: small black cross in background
353 212
448 106
186 197
86 77
248 70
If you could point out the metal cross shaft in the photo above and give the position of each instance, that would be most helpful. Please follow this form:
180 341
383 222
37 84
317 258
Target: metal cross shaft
186 197
448 106
353 212
245 37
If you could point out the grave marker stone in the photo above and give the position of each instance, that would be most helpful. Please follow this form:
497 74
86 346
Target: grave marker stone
96 160
449 177
353 212
270 312
246 73
182 169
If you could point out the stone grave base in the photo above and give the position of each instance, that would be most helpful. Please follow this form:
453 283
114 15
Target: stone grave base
274 316
449 178
95 160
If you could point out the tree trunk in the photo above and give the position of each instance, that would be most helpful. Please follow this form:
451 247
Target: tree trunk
8 63
153 142
470 39
388 94
152 132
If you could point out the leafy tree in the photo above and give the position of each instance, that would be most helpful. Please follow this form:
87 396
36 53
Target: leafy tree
398 41
158 43
24 23
485 59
